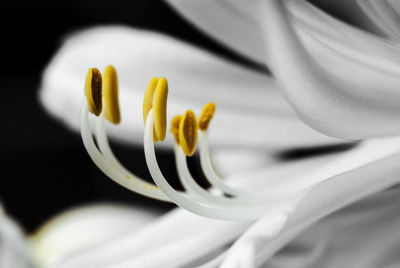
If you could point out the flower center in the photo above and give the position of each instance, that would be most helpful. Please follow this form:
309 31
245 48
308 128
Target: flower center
240 205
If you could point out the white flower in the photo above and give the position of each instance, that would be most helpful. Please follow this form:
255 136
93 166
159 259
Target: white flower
341 81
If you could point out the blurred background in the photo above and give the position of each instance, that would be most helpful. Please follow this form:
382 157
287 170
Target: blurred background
45 168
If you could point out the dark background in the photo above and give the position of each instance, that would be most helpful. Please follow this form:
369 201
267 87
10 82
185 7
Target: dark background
44 166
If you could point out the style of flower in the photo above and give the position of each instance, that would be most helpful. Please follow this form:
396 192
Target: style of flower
341 81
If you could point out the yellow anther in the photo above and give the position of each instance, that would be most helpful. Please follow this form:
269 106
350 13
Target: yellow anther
160 108
110 94
188 132
93 91
148 97
148 102
206 115
175 127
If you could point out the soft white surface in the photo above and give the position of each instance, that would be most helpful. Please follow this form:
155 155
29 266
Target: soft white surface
14 251
179 237
85 227
262 121
343 82
250 110
385 14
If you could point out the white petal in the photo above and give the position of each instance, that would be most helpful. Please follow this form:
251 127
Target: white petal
250 111
84 227
358 175
361 235
363 69
331 105
384 13
180 237
276 173
247 38
14 249
170 241
229 162
344 51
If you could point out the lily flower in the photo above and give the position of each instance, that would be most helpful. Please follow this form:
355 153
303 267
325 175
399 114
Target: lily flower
329 84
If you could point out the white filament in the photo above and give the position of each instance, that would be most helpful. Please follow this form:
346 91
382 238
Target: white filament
191 185
206 208
211 175
110 168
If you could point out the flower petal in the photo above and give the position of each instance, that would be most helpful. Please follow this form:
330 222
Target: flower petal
169 241
179 237
84 227
247 39
385 14
249 107
14 249
348 182
360 71
331 105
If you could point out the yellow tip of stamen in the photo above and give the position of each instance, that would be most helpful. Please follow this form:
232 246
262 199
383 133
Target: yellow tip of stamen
160 108
148 102
110 94
148 97
93 91
175 127
188 132
206 115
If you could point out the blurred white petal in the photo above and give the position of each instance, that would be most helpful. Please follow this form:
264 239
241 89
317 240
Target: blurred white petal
385 14
169 241
256 117
180 237
229 162
187 237
14 249
84 227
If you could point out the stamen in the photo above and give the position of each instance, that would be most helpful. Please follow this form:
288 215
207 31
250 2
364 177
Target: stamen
175 127
188 132
110 94
93 91
206 115
197 199
112 168
195 189
208 168
160 108
104 158
205 208
212 176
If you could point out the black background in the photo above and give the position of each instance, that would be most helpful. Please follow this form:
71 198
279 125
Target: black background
44 168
